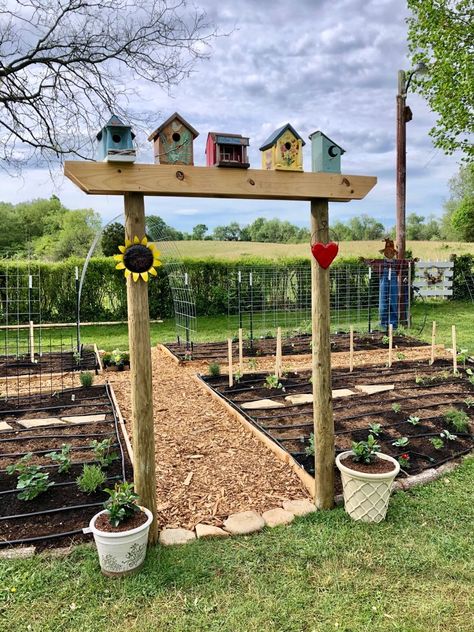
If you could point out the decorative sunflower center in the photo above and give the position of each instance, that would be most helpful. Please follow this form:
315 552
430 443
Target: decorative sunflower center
138 258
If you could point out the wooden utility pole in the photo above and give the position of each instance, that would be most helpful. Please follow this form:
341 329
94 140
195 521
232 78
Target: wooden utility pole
322 388
402 119
143 435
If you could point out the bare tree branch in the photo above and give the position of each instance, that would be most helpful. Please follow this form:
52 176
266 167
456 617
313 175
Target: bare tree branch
65 65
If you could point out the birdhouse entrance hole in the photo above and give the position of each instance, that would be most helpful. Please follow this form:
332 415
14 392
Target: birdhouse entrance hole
116 138
287 145
176 137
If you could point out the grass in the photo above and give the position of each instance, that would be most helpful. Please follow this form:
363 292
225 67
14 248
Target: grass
425 250
412 573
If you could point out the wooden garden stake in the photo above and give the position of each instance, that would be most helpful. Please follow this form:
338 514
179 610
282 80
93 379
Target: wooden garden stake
229 353
351 348
140 370
241 352
321 361
433 340
278 354
390 344
455 356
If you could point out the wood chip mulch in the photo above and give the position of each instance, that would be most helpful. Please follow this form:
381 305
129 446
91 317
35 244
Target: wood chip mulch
207 465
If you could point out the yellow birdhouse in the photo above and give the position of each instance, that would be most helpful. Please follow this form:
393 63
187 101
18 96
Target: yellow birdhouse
283 150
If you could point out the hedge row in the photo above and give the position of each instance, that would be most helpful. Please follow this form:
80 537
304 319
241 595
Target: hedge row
104 291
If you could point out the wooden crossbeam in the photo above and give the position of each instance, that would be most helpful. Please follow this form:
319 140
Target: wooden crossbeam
102 178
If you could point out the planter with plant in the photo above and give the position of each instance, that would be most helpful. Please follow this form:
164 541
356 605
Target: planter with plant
367 478
120 532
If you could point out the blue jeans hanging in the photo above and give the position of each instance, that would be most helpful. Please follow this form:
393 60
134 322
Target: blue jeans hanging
388 296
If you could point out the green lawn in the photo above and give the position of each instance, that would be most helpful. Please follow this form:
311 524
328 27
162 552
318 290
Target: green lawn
412 573
212 328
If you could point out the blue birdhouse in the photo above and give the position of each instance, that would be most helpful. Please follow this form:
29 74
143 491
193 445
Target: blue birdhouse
116 142
325 153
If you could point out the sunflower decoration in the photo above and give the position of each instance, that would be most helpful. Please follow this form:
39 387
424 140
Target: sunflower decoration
138 258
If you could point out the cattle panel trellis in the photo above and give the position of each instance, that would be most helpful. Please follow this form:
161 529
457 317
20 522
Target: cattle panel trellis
262 298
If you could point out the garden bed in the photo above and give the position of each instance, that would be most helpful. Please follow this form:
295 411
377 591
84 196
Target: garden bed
49 362
420 390
295 345
62 511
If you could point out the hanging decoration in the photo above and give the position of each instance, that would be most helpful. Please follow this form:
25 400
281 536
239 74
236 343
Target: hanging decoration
138 258
325 253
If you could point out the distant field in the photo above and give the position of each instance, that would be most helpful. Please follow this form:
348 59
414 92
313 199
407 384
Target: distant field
431 250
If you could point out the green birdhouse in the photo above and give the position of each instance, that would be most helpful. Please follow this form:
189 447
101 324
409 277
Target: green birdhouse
325 153
173 141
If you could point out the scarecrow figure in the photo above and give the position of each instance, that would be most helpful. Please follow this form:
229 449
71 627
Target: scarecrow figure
388 269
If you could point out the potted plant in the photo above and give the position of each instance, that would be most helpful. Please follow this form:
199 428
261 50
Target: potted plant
367 477
120 532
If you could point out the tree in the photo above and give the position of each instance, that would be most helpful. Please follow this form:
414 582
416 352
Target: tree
441 35
462 193
65 65
463 219
112 237
75 237
199 231
232 232
158 230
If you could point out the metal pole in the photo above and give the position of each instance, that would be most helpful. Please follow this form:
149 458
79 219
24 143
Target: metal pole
251 309
78 312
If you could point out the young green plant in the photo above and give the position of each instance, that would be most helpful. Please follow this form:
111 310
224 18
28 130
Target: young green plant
91 479
122 504
63 458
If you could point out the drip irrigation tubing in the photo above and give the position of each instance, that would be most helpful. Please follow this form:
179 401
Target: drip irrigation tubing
56 485
49 511
6 455
81 424
55 436
40 538
122 455
54 465
45 408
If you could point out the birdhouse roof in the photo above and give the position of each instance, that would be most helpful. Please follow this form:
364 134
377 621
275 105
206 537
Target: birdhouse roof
318 133
113 121
154 134
222 138
272 139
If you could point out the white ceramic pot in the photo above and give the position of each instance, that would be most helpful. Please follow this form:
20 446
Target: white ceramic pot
121 552
366 495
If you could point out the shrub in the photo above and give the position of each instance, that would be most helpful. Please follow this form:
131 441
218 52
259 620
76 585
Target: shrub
91 479
122 504
214 369
86 378
365 451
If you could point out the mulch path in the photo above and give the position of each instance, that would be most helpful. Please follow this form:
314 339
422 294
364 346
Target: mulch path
207 465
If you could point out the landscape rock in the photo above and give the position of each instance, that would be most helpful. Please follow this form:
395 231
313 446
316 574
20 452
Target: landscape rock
244 522
4 426
209 531
80 419
21 552
170 537
275 517
261 404
299 507
341 392
37 423
371 389
301 398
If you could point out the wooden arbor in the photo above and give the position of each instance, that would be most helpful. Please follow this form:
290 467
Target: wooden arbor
137 180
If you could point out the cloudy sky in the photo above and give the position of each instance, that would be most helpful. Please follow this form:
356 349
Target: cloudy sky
318 64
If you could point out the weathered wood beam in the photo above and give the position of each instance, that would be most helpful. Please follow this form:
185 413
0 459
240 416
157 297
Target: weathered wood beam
102 178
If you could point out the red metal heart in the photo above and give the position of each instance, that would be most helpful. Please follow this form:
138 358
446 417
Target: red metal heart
325 253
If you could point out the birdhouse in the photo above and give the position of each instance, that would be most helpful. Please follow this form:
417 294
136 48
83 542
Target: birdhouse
116 142
227 150
283 150
173 141
325 153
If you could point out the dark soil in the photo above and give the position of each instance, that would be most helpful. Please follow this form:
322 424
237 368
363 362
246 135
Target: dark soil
379 466
47 363
296 345
420 390
68 509
102 523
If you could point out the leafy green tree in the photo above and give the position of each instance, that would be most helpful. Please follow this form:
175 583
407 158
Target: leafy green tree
276 231
77 232
232 232
462 219
441 35
199 231
462 193
158 230
112 237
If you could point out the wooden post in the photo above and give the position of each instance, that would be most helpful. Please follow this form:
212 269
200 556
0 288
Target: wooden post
229 353
455 356
321 361
433 342
278 353
140 371
241 352
32 342
351 348
390 344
